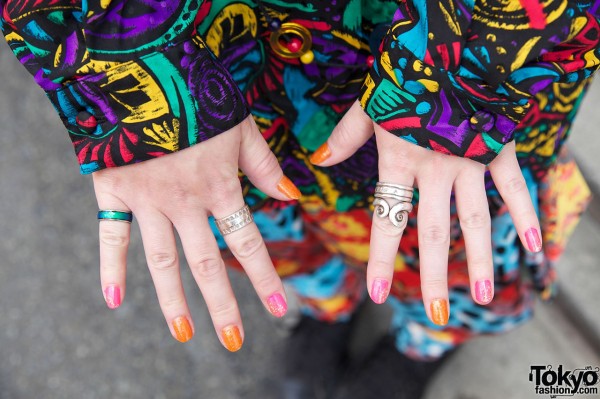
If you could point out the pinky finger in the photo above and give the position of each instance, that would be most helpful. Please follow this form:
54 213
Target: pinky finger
114 242
512 186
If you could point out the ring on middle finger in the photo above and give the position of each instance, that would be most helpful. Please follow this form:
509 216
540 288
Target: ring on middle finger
235 221
393 201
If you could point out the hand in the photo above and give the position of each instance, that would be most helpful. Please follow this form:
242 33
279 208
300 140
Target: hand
181 191
435 174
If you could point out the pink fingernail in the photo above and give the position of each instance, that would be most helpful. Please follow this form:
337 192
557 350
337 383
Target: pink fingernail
534 242
380 290
112 296
483 291
277 305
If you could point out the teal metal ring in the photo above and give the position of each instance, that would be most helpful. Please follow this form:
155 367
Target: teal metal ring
115 215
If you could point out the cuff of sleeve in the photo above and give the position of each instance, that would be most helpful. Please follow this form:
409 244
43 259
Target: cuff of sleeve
440 110
142 109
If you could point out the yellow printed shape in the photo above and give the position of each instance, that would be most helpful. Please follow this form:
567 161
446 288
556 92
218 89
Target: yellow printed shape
215 35
523 52
157 104
164 136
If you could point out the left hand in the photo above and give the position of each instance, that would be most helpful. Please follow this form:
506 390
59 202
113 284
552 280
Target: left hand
435 174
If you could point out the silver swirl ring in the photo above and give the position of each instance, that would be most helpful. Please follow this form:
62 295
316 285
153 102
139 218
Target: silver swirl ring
396 212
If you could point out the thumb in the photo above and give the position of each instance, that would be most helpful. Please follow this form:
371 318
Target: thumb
261 166
351 133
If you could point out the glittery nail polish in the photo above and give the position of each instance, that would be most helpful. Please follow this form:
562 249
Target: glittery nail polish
534 242
182 328
483 291
112 296
289 189
232 339
277 305
380 290
321 154
439 311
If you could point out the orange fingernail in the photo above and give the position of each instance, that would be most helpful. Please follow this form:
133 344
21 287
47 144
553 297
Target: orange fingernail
183 329
439 311
322 153
232 338
289 189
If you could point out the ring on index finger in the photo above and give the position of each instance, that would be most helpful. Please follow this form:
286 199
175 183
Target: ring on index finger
393 201
235 221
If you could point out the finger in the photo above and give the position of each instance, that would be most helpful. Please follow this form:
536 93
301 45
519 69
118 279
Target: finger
163 262
208 269
511 184
249 249
114 242
352 131
259 163
385 236
433 220
474 216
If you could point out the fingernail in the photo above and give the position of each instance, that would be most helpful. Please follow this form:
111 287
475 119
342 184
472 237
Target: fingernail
322 153
534 242
232 338
380 290
112 296
483 291
277 305
183 330
289 189
439 311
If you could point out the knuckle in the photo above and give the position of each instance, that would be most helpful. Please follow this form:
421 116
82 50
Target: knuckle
397 160
113 239
172 303
387 229
434 283
247 247
344 134
475 221
266 282
163 261
480 263
434 235
222 310
222 189
267 164
515 185
208 268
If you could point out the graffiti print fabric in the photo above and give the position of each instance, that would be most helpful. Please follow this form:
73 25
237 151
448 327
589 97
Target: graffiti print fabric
138 68
456 76
468 88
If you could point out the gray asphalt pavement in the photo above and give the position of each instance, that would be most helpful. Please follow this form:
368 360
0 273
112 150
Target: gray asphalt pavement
58 339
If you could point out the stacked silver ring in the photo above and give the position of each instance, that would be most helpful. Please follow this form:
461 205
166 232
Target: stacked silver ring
397 211
235 221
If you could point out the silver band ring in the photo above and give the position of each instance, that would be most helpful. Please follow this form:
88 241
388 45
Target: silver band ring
121 216
397 212
235 221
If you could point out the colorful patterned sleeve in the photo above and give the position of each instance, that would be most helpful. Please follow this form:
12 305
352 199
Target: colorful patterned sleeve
456 76
130 79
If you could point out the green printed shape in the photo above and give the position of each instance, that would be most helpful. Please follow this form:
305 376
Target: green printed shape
344 204
318 128
352 17
176 89
491 143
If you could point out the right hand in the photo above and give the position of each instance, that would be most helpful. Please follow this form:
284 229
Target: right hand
181 191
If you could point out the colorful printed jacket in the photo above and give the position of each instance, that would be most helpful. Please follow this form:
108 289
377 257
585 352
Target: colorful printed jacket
133 80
